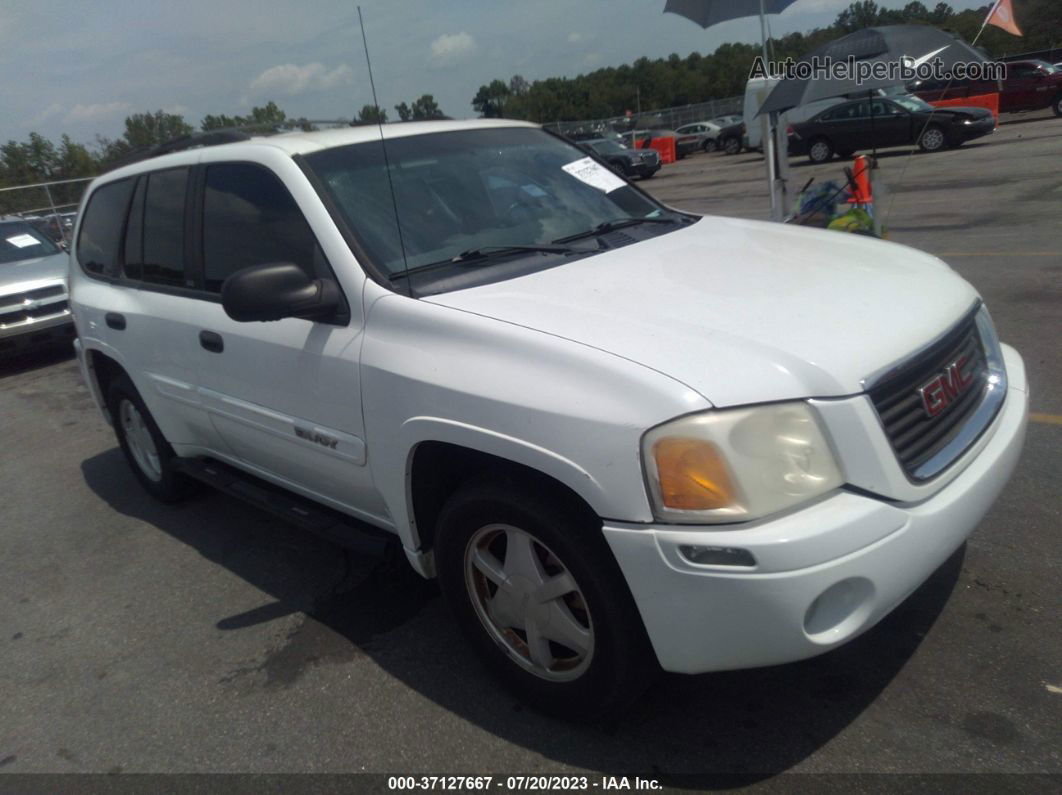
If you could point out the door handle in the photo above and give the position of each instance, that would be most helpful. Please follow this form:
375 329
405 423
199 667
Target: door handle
211 341
115 321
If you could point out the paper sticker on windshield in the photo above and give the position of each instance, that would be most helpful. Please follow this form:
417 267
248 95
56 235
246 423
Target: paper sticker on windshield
23 241
594 174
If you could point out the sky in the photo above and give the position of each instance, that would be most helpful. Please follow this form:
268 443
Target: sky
69 66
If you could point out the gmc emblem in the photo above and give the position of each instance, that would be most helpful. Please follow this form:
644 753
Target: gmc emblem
945 388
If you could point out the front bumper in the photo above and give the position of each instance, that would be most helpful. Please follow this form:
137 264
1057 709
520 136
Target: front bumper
822 575
977 129
36 331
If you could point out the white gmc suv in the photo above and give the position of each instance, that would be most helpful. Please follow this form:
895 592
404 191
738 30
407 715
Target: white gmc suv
622 436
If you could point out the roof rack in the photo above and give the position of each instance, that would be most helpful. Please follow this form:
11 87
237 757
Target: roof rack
193 141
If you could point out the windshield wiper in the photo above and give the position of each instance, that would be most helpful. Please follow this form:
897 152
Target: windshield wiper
611 226
488 253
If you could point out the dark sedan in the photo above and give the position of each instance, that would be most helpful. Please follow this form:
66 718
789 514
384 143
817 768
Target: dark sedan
896 121
629 162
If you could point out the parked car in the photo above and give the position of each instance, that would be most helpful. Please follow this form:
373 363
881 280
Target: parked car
896 121
620 435
684 144
1029 85
706 133
733 137
642 163
33 296
757 89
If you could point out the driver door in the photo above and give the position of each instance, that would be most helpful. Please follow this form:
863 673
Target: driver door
284 396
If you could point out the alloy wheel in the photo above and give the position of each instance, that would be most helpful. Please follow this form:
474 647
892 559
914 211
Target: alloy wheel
933 139
529 602
139 440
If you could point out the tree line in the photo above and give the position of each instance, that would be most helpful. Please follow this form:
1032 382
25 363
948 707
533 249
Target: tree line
37 159
648 84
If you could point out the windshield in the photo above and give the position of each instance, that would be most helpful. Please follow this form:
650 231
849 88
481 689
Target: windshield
19 241
472 189
607 147
910 102
1047 67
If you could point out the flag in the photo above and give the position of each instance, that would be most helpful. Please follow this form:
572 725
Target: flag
1002 16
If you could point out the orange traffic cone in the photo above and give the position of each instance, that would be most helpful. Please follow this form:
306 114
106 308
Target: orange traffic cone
862 192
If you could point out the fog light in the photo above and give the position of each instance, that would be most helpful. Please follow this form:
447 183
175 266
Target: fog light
718 556
840 610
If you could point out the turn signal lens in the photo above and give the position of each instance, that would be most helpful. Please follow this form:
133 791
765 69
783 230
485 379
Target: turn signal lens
693 475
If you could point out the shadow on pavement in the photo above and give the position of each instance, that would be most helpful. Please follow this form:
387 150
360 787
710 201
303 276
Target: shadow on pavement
719 729
35 358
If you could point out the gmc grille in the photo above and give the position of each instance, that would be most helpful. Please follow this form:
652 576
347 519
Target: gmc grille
917 436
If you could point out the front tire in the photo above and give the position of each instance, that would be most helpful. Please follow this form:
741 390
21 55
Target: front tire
146 450
932 139
732 146
1056 106
537 591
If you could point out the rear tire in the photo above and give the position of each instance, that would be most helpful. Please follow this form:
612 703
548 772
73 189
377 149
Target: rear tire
820 151
145 448
580 650
932 139
1056 106
732 146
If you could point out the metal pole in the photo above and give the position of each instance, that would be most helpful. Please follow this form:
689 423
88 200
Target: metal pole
768 137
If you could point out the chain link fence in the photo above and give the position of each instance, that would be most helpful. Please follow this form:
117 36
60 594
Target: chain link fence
663 119
51 207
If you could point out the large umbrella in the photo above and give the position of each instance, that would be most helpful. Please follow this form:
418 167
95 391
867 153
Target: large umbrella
711 12
890 44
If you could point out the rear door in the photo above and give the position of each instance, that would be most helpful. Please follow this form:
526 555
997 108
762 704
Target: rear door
848 125
284 396
148 309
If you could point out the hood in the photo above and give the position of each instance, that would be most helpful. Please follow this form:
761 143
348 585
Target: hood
13 275
741 311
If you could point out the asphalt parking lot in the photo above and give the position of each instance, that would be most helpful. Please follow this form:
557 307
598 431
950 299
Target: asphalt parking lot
208 637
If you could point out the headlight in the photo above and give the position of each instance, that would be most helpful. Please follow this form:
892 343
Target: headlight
737 464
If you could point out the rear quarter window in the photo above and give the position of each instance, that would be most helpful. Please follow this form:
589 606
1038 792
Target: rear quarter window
101 228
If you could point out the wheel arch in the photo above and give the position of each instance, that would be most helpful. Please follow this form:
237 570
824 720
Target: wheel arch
448 454
100 371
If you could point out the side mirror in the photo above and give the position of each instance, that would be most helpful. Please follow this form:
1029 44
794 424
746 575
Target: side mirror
278 290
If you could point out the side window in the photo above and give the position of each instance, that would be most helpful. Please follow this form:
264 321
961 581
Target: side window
249 218
163 228
101 228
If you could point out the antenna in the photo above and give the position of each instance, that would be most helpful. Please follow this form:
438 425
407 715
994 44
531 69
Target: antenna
387 163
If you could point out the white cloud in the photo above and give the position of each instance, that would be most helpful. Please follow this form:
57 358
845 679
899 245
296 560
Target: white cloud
821 6
575 37
52 110
453 47
97 110
289 79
